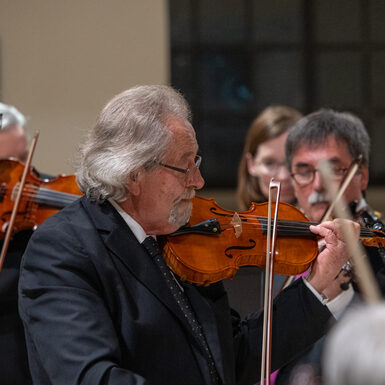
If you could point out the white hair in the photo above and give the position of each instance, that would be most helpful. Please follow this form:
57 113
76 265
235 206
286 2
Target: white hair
131 133
355 349
10 116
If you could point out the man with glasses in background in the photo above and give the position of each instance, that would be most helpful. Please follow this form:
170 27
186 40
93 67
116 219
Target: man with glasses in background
341 139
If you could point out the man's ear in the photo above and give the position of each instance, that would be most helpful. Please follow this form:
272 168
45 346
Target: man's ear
134 183
364 177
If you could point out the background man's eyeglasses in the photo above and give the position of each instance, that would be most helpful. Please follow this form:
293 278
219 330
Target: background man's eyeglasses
306 176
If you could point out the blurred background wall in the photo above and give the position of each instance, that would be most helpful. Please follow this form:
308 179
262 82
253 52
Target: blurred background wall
61 61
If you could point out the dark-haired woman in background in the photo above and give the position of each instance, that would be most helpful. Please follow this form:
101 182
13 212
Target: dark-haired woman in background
264 156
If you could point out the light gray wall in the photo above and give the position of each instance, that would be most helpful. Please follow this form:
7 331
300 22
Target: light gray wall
62 60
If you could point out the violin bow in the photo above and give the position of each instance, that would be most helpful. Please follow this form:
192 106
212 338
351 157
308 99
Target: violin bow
366 279
349 176
8 234
268 300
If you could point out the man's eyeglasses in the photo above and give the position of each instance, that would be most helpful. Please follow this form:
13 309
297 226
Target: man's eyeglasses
189 172
306 175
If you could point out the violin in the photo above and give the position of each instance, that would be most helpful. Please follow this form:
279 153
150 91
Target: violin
215 243
40 199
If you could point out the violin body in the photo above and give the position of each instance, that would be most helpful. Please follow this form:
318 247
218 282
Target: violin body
40 199
204 259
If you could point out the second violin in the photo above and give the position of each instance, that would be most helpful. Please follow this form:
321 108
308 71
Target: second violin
40 198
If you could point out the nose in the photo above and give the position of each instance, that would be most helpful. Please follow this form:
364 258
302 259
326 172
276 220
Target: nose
196 181
317 182
283 173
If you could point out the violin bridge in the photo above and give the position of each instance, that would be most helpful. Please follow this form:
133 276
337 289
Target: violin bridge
15 190
237 224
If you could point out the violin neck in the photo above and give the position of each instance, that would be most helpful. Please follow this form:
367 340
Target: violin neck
56 199
367 233
290 228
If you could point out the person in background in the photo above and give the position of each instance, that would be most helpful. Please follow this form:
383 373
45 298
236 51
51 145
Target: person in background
355 348
13 140
14 363
98 302
264 157
339 138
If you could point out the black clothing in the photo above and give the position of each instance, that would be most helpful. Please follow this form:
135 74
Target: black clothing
96 310
312 358
13 352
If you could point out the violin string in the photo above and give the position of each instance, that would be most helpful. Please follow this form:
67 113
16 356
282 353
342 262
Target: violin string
292 227
281 226
293 223
54 197
33 190
38 193
282 223
300 225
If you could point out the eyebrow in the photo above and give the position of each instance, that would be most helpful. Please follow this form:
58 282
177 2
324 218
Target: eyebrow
186 155
333 160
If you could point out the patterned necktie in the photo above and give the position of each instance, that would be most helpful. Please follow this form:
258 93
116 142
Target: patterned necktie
152 247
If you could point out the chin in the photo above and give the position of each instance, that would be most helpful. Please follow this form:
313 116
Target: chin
180 213
318 211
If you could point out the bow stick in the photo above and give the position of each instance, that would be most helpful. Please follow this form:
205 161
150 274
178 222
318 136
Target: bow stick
268 301
8 234
337 196
366 279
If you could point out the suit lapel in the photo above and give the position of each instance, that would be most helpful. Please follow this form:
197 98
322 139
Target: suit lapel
120 240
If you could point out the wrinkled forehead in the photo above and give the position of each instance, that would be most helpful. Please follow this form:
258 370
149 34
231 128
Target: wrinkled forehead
312 153
181 131
183 137
13 129
176 125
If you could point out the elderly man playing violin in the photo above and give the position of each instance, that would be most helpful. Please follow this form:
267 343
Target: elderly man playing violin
98 302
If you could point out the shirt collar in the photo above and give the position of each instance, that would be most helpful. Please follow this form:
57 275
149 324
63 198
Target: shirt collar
135 227
361 205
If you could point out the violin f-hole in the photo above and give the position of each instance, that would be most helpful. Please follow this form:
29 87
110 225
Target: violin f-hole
229 255
214 211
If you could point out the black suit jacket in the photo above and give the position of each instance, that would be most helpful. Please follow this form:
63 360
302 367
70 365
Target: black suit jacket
97 311
14 363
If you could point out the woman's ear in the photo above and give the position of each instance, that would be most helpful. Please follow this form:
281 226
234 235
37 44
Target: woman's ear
251 166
